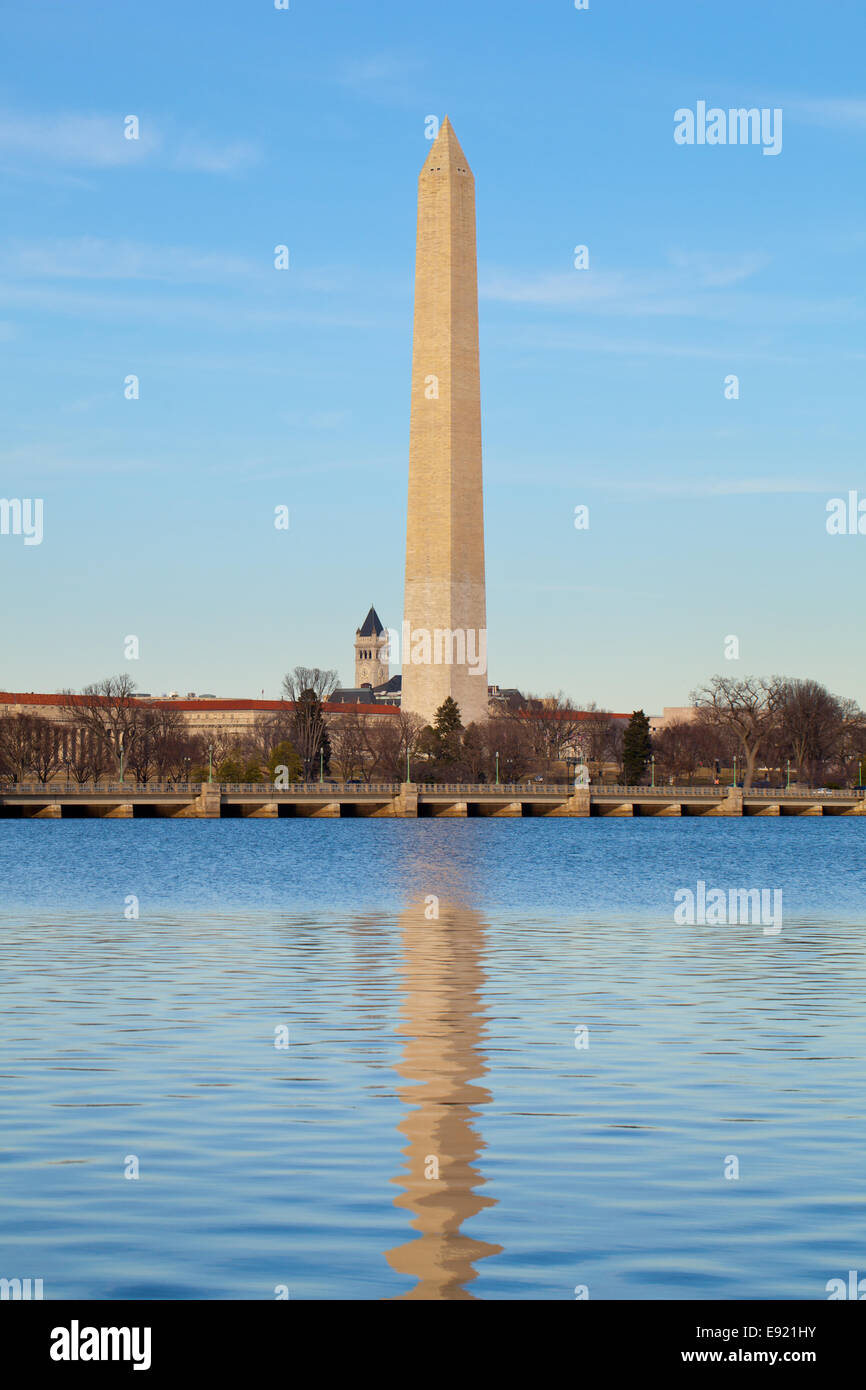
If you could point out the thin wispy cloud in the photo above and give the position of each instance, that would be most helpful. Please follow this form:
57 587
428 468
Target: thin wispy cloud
847 113
95 142
712 273
98 141
389 77
719 487
197 153
532 338
676 290
41 460
182 309
102 259
696 285
95 258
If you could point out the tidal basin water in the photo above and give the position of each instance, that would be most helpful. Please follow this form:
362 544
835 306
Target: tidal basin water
546 1088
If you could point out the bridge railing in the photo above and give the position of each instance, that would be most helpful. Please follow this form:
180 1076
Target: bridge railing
672 793
806 793
516 790
98 788
312 788
663 793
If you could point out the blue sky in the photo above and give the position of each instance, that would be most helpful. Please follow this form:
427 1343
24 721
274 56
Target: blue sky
260 388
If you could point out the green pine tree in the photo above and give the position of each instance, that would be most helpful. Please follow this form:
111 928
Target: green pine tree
284 755
441 743
447 720
636 748
231 769
325 750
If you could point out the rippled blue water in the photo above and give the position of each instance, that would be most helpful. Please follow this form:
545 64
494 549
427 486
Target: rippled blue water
421 1045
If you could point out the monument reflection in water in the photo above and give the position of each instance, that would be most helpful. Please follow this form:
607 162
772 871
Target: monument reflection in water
442 1018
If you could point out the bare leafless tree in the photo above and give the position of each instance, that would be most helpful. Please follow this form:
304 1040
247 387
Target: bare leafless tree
309 679
685 746
271 728
814 726
747 709
349 747
392 744
109 710
551 724
29 747
309 688
88 758
46 754
162 747
502 746
176 750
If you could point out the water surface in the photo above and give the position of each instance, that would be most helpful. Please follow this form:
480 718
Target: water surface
432 1129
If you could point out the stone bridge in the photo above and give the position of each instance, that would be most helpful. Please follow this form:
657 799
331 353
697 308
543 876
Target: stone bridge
305 800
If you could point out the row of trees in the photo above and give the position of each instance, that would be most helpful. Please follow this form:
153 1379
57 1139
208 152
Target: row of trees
774 722
529 737
106 730
781 726
785 727
763 724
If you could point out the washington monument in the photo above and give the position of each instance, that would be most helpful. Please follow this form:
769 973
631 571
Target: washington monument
444 619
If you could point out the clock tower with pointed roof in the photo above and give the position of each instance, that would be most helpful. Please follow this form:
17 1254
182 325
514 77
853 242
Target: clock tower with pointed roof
371 665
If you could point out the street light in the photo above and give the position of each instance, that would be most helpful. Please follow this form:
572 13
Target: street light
120 741
652 769
788 781
497 769
210 762
735 769
322 765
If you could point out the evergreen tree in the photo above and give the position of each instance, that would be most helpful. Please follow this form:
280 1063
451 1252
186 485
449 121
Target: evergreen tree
325 750
230 769
441 743
310 735
636 748
284 755
447 720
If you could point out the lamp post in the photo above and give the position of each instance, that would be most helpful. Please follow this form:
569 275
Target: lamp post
735 769
67 760
408 778
210 762
186 770
322 766
497 769
652 769
120 741
788 781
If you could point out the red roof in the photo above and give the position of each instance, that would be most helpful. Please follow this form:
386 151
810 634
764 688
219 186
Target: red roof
6 698
572 714
330 707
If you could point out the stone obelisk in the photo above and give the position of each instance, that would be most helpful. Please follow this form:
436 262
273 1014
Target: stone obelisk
444 646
